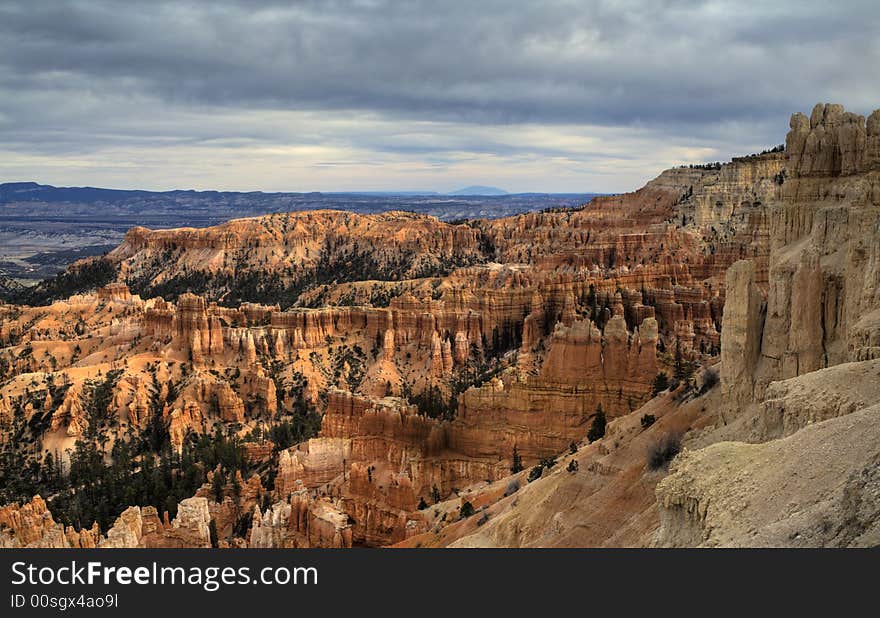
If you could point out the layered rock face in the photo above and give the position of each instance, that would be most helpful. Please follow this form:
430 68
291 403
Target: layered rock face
580 355
542 414
382 456
141 527
301 522
833 142
730 194
822 305
743 324
297 249
372 456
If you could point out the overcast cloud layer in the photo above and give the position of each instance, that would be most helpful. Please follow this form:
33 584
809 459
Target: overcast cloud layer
347 95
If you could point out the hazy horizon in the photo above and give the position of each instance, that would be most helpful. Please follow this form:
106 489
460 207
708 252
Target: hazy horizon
403 190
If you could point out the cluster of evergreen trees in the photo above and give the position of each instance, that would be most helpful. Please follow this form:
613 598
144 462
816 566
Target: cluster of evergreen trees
111 468
77 279
337 263
434 404
108 470
99 486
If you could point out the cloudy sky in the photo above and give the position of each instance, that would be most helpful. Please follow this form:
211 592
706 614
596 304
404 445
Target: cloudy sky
372 95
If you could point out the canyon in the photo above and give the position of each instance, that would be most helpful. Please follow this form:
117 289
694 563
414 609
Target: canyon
694 363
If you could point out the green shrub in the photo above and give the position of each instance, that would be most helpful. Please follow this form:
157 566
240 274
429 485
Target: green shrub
536 473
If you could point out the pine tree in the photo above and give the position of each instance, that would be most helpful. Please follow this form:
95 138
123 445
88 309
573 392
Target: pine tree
597 429
517 465
48 473
236 493
683 369
212 531
217 484
661 383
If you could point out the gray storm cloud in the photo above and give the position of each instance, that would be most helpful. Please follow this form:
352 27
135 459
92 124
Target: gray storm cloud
431 84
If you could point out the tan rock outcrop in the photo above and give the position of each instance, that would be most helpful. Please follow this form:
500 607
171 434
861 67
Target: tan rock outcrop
833 142
301 522
70 414
741 335
790 405
31 525
817 487
822 305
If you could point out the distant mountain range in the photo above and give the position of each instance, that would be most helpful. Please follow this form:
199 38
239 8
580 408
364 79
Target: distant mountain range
28 200
478 190
32 191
